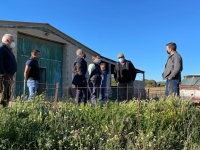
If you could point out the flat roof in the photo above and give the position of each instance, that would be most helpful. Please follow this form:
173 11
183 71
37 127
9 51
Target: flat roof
189 75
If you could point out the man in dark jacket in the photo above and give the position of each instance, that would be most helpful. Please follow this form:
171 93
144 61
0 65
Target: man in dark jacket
124 74
94 78
8 67
173 68
79 79
32 73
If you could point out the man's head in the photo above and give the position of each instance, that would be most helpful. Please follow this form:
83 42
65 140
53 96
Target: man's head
121 57
79 52
8 40
96 58
103 66
171 48
35 53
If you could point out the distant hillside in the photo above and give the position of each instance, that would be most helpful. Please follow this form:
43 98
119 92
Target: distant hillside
148 83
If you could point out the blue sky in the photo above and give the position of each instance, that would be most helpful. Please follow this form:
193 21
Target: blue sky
138 28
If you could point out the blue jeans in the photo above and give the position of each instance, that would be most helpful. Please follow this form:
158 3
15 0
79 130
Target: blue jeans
172 87
32 86
103 93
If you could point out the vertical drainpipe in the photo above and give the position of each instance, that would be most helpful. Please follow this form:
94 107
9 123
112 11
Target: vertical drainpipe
143 76
109 72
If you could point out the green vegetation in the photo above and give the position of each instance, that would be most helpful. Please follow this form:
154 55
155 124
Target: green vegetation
139 125
113 82
153 83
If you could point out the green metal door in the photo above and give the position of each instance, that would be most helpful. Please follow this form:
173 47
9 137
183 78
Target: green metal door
51 56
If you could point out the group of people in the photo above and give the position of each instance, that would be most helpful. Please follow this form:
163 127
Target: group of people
90 79
94 76
8 67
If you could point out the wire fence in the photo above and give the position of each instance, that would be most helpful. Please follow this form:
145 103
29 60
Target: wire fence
50 92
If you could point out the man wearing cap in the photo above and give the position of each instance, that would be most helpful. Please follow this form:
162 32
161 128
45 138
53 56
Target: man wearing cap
32 73
124 74
8 67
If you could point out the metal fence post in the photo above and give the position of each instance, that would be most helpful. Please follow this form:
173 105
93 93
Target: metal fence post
56 97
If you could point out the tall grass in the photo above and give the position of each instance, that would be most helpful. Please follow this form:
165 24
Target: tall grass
164 124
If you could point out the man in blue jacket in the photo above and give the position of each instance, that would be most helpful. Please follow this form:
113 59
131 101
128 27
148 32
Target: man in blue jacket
8 67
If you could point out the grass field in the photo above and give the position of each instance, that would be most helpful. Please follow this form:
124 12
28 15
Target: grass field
155 91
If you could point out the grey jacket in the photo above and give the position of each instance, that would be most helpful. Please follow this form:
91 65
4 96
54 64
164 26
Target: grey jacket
173 67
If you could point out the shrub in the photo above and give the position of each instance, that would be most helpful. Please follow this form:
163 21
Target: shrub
164 124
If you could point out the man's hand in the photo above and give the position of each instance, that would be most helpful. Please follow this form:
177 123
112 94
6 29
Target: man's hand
25 80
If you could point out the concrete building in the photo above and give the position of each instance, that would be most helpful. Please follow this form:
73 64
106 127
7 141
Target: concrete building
57 53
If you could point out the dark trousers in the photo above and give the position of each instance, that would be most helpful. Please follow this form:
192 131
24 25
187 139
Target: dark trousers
172 87
126 90
94 89
80 90
5 89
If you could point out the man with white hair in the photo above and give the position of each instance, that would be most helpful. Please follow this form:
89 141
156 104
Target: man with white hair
79 78
8 67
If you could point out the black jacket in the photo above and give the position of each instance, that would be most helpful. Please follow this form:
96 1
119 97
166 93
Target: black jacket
95 75
124 73
8 62
35 70
78 77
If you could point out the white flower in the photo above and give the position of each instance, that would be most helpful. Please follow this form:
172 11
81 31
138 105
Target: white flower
142 138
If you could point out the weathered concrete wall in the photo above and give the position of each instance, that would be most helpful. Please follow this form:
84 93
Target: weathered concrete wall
69 51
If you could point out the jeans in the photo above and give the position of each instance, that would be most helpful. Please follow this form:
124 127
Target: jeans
172 87
103 93
33 87
94 89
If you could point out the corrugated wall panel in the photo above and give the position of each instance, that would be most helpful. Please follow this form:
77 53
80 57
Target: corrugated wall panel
51 55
